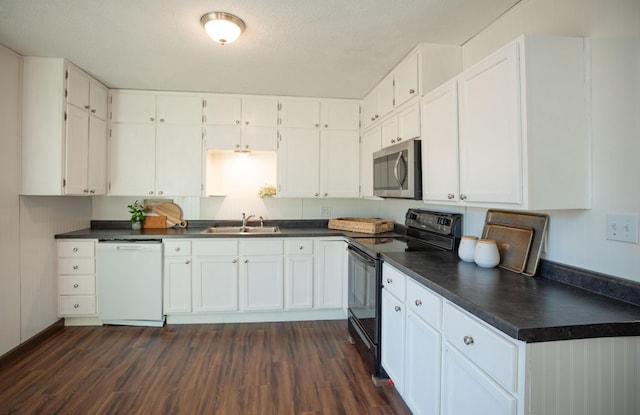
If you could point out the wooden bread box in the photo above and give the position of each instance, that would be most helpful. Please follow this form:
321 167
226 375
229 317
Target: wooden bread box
363 225
154 222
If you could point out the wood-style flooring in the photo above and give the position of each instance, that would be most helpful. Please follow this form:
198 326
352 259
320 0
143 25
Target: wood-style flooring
302 368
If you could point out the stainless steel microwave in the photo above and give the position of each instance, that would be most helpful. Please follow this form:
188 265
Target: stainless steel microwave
397 171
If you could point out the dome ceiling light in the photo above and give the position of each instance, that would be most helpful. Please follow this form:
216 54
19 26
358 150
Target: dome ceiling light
222 27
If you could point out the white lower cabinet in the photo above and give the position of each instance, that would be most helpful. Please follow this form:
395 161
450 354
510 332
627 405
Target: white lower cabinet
261 275
76 279
215 275
298 274
177 276
392 339
330 277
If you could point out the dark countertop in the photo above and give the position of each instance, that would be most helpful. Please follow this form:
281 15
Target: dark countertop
531 309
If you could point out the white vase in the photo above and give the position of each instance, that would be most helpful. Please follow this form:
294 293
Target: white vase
467 248
136 226
486 254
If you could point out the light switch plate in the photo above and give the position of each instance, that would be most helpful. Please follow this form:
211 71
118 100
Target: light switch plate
622 227
325 212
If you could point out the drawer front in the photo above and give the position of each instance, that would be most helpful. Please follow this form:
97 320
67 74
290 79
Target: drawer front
394 281
76 266
299 246
489 350
424 303
76 249
76 285
177 248
74 305
261 247
215 248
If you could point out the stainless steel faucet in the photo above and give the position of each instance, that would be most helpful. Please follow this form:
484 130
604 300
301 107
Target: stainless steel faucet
245 219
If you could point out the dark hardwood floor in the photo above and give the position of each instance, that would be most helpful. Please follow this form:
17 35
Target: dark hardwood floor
300 368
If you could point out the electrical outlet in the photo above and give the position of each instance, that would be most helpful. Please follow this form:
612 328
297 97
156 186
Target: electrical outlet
622 227
325 212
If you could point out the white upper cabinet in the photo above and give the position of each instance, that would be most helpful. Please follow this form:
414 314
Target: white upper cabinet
155 144
63 129
406 80
379 102
402 126
299 114
521 130
371 142
240 123
340 115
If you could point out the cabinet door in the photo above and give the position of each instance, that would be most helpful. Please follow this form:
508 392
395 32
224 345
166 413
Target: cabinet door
389 132
98 100
422 357
490 136
340 115
222 110
392 339
406 80
178 160
177 285
215 282
339 168
385 96
259 112
371 142
300 114
262 283
331 268
440 168
298 282
133 107
132 158
77 88
466 389
259 138
369 109
77 151
179 109
97 156
299 163
409 123
222 137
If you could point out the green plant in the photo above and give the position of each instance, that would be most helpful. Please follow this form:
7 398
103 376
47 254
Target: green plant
137 211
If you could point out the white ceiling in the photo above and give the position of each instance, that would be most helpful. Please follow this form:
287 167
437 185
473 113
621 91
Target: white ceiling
321 48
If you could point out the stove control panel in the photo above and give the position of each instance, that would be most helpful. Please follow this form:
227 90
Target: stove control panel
441 223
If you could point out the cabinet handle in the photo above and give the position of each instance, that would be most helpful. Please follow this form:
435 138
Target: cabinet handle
75 249
151 119
397 308
75 267
412 91
93 111
187 262
75 285
450 196
463 197
389 280
468 340
76 306
418 302
237 122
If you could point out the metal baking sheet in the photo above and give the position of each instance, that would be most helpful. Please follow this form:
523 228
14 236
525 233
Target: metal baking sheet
513 243
536 221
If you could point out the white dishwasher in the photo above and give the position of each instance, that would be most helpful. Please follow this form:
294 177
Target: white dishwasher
129 275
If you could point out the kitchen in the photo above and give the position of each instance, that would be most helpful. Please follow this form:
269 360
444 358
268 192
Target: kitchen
576 237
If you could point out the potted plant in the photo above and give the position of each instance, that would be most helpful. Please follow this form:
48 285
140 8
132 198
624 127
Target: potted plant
137 214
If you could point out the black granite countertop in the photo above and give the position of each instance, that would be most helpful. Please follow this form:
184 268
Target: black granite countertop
531 309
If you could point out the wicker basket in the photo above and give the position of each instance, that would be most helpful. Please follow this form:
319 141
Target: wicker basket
363 225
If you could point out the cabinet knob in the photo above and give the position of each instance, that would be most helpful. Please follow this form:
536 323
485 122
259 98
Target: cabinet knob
246 123
93 111
246 146
75 249
92 191
237 122
463 197
75 285
177 249
373 118
86 107
246 261
398 139
187 262
301 247
376 117
317 194
450 196
397 308
75 267
160 192
237 145
468 340
412 91
150 192
317 125
85 190
234 261
161 119
393 140
326 194
326 126
151 119
389 280
418 302
76 306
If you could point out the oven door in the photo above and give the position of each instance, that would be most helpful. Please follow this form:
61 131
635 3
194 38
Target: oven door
364 294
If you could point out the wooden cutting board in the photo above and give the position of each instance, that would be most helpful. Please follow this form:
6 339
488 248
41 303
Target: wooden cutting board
171 211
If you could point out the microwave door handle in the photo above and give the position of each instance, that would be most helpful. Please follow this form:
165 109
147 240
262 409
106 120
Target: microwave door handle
395 170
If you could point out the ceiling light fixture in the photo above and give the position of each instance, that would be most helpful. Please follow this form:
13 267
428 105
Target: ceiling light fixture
222 27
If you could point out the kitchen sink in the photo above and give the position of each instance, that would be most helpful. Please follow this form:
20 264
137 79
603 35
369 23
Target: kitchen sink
247 230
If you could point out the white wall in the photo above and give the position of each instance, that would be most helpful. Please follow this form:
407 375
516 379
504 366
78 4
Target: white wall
9 202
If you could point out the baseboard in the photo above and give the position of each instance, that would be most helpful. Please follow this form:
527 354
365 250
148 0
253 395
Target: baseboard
28 346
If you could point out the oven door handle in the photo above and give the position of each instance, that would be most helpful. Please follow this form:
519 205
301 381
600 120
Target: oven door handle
362 257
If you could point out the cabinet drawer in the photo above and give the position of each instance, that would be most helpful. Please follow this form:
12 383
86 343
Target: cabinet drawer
261 247
76 248
488 349
394 281
222 247
76 284
424 303
73 305
76 266
298 246
177 248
